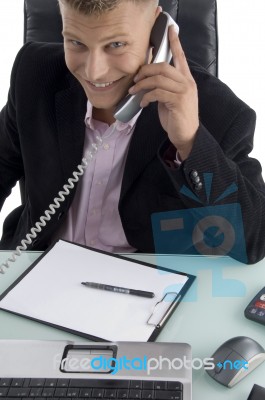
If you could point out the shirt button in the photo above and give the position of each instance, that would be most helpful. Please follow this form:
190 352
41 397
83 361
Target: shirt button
106 146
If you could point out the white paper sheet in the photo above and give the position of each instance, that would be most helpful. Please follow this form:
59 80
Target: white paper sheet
52 292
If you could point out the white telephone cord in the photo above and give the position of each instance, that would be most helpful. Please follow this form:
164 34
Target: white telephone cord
37 228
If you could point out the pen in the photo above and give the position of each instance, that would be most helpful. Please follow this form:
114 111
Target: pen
118 289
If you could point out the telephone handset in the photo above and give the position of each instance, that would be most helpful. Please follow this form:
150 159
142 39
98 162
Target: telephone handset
130 105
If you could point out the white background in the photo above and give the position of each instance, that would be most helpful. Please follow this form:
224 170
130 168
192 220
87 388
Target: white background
241 60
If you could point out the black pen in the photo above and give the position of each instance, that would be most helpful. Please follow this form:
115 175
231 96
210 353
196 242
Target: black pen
117 289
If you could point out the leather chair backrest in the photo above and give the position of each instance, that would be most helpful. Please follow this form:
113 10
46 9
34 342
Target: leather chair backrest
197 20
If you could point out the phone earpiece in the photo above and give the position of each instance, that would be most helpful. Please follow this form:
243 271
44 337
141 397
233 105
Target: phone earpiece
130 105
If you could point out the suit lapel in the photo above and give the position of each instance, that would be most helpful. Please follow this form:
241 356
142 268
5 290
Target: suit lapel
70 115
147 138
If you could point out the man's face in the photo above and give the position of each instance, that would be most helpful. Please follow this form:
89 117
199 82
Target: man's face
104 53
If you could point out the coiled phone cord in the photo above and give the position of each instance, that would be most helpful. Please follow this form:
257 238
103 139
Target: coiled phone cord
57 201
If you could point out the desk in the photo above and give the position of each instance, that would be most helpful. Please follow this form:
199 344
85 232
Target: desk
210 314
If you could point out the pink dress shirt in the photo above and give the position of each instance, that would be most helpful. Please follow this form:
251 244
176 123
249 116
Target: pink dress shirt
93 218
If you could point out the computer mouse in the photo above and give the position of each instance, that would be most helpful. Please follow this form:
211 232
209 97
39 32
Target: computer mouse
235 359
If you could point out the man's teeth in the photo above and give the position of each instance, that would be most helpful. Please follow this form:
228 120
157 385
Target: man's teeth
101 85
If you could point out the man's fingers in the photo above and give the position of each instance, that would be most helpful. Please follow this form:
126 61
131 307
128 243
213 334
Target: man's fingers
162 69
158 95
179 58
158 81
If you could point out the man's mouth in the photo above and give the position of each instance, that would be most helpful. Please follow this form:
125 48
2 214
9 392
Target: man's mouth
101 85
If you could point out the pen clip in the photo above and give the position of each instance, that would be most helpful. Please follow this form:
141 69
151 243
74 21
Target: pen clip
172 305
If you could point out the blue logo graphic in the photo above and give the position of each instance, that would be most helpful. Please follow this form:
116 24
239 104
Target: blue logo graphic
211 230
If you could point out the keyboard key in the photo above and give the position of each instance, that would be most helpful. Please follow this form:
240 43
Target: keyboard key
60 392
147 394
99 383
3 391
135 384
135 394
37 382
18 392
48 392
85 392
160 385
50 382
122 393
72 392
5 382
110 393
175 386
98 392
148 385
167 395
26 382
17 382
63 382
35 392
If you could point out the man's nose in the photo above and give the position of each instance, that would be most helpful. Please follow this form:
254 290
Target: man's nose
97 66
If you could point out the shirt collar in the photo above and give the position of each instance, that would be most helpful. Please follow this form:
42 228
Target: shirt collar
120 126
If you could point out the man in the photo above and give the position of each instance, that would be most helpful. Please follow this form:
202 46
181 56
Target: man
191 125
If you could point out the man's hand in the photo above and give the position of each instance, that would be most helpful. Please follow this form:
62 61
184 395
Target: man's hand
175 90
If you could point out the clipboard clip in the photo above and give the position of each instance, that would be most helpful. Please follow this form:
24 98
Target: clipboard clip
173 304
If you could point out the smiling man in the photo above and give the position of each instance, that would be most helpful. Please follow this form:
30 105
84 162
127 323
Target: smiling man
61 103
105 52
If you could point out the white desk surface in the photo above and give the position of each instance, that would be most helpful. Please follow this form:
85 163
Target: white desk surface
211 313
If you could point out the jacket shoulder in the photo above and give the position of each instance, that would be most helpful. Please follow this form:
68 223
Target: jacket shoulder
218 104
40 63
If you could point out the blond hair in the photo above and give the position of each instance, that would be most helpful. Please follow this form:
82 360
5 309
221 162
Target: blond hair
98 7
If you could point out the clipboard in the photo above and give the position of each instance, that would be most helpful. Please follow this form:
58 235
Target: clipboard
50 292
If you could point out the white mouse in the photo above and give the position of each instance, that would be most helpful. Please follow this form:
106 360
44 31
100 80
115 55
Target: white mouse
235 359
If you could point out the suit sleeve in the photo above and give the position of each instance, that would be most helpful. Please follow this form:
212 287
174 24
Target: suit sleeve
223 173
11 164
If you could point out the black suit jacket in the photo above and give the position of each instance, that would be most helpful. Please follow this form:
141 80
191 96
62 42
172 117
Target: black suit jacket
42 135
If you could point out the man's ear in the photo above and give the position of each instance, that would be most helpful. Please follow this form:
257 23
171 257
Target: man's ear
156 14
159 9
151 48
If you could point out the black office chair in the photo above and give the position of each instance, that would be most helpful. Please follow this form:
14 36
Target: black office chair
197 20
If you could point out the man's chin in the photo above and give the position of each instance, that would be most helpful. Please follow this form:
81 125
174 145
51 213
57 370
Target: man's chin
104 98
103 103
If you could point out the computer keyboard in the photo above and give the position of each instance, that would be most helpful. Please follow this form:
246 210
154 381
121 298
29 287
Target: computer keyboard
94 389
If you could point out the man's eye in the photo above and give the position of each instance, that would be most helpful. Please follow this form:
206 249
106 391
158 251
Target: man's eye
76 43
117 45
